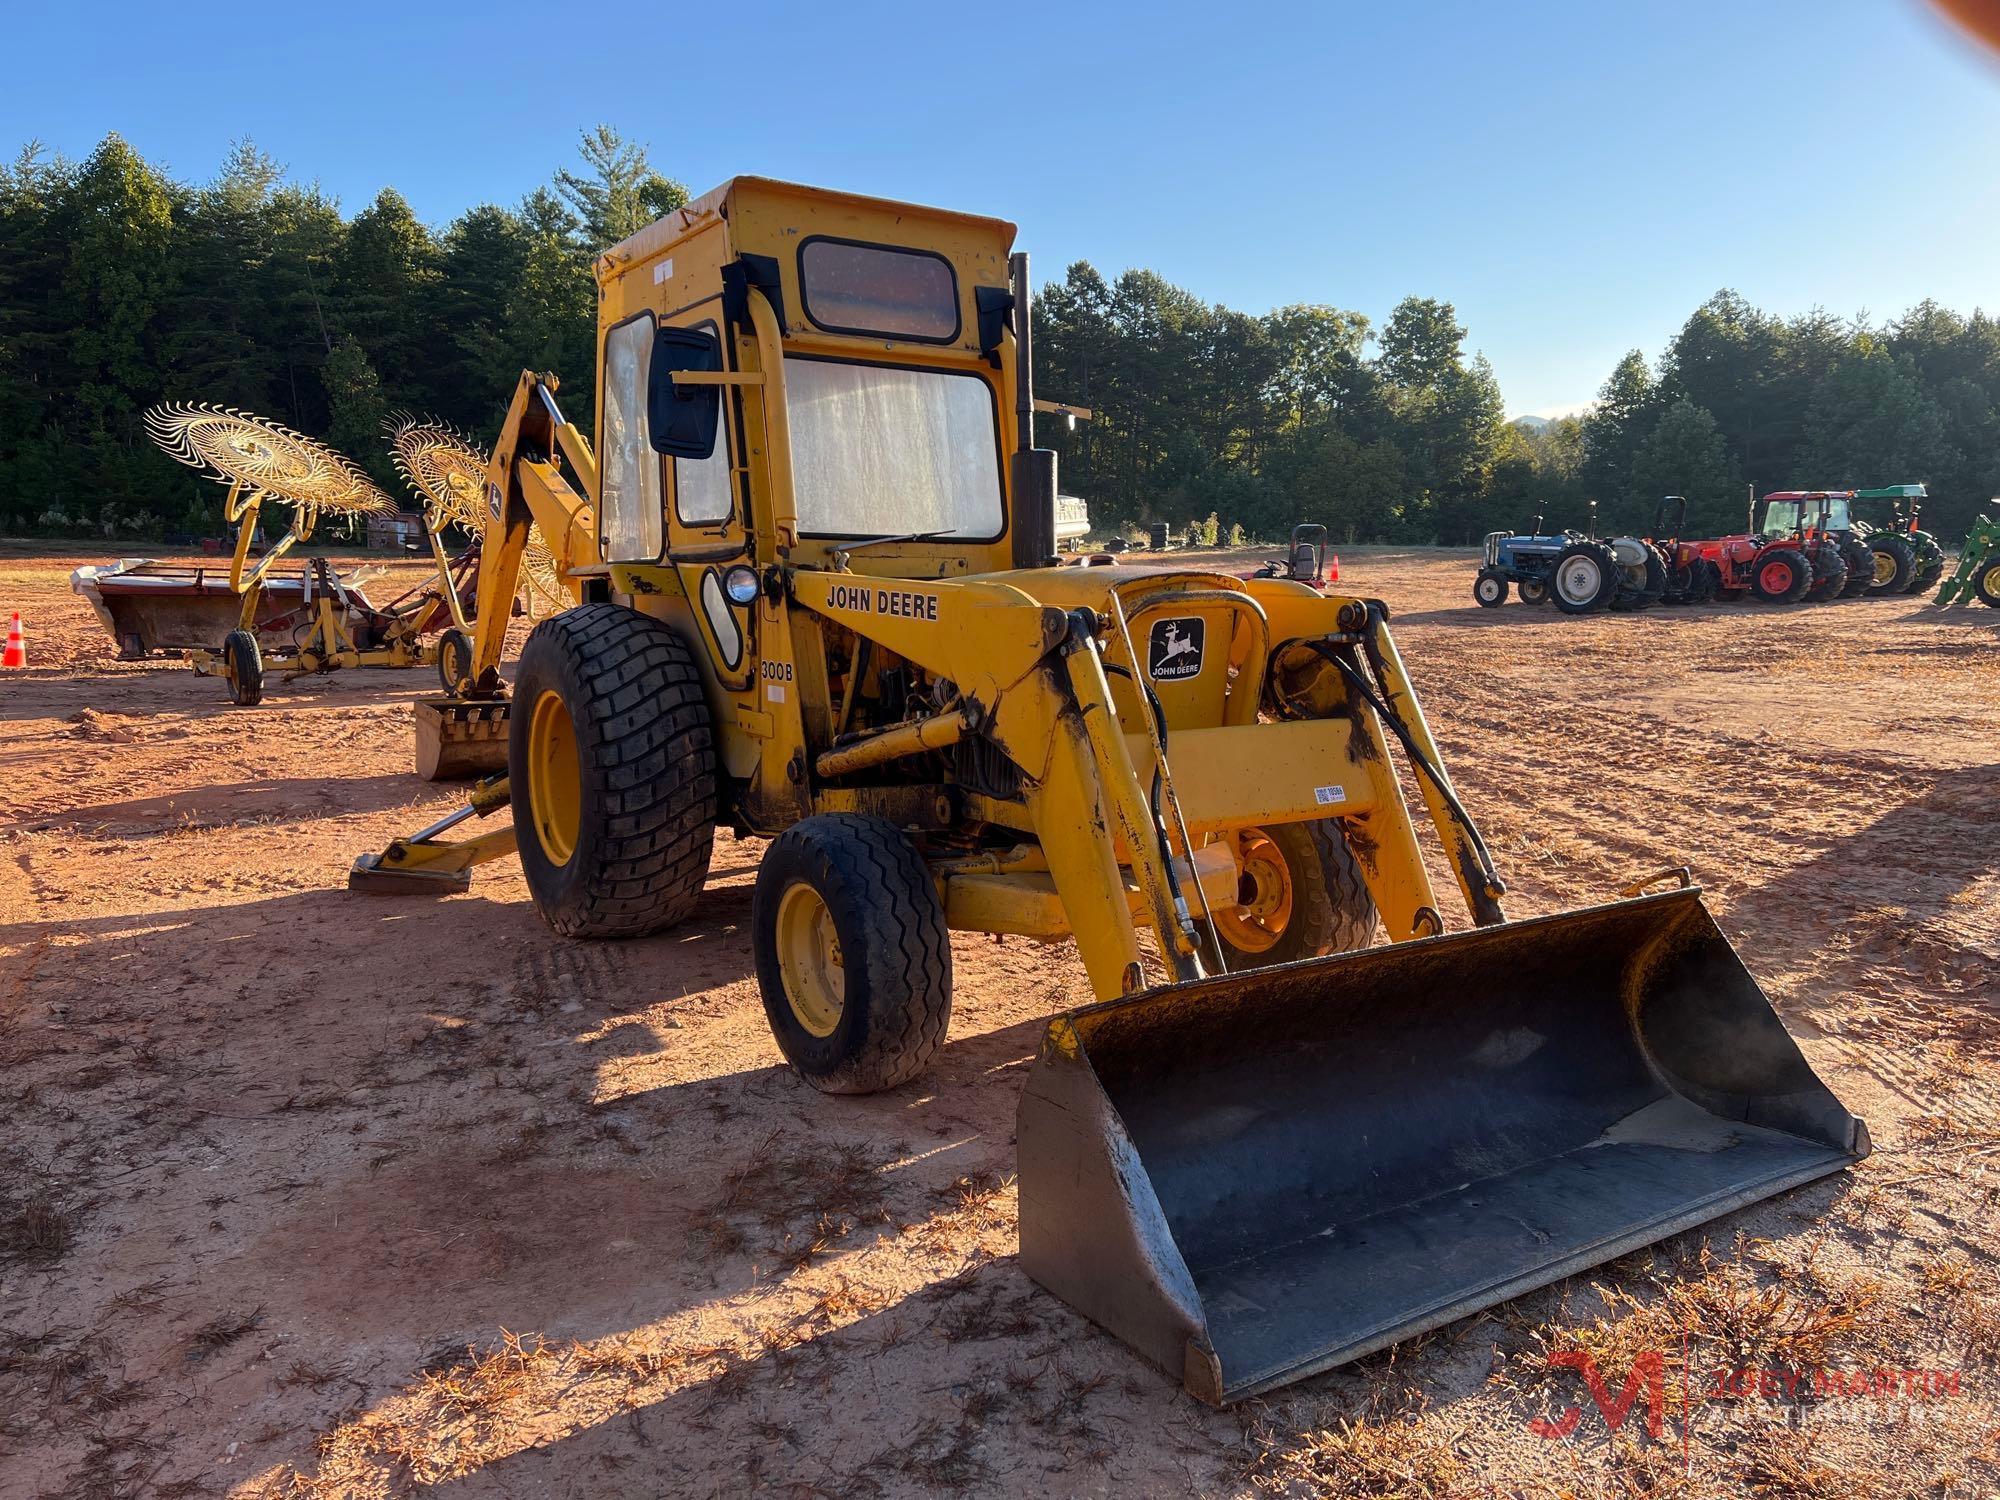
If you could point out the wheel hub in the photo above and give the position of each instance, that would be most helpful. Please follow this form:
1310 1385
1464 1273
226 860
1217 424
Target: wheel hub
1579 580
810 960
1264 895
555 782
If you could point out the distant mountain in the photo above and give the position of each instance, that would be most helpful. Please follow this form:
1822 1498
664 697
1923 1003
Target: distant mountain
1533 424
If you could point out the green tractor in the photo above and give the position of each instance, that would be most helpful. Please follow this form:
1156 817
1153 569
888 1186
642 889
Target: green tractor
1926 553
1978 572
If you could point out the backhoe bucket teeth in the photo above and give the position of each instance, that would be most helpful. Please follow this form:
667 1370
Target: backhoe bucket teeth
1259 1176
460 738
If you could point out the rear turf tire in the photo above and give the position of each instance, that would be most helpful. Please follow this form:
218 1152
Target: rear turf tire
1781 576
611 761
1328 908
853 957
1490 588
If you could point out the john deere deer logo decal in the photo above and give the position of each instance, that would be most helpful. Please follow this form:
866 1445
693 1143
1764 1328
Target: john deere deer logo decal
1175 649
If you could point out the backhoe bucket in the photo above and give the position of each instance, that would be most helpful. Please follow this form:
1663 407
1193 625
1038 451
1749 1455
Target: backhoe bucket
1259 1176
459 738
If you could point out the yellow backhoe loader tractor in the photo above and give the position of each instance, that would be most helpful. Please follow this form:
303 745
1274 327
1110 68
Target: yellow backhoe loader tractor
813 545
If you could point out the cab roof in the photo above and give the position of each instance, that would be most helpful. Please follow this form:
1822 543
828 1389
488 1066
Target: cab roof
738 192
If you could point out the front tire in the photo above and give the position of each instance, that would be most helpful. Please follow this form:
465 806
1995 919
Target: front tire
1301 895
1781 576
1986 584
853 956
454 660
611 761
1490 588
1532 591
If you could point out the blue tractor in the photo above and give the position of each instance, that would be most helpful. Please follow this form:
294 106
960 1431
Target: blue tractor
1580 572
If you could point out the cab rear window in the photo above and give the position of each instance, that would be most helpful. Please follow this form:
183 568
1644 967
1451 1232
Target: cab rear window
878 289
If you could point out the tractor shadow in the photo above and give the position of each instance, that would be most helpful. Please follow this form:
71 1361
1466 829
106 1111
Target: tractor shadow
1918 855
1514 615
165 689
528 1201
260 801
1881 923
470 935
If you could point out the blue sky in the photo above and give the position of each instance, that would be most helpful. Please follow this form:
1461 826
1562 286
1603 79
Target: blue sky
1575 176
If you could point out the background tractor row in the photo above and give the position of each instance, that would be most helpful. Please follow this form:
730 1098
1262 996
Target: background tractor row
1579 570
1808 545
1889 555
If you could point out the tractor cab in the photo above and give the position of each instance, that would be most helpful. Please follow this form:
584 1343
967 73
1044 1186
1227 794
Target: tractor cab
1791 512
1881 548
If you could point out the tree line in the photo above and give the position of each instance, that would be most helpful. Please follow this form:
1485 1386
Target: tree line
120 286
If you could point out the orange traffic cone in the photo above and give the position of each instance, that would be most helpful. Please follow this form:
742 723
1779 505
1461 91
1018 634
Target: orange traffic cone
16 654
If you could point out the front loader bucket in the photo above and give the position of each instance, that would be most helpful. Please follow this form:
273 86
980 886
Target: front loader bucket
1259 1176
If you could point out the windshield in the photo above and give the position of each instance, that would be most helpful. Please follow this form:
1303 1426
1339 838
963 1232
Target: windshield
1783 515
883 451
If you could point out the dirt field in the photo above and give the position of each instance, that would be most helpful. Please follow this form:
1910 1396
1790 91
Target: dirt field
311 1193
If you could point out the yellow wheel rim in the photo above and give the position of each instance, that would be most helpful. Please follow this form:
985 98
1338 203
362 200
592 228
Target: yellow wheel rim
1988 578
809 959
555 786
1885 567
1264 895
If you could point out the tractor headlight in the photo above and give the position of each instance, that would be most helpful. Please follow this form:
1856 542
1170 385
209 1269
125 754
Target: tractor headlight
740 585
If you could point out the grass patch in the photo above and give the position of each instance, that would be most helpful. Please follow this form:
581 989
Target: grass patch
1404 1454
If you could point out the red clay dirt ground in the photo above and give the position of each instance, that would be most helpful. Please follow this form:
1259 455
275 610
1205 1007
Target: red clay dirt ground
305 1193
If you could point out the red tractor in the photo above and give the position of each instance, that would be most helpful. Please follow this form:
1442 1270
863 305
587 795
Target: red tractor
1690 579
1843 564
1777 570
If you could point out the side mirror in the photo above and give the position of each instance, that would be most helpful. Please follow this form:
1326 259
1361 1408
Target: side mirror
681 419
